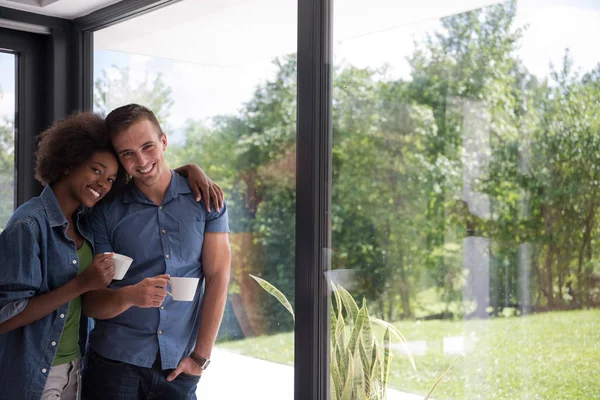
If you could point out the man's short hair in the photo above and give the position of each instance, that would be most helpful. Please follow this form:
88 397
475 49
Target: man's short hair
123 117
69 143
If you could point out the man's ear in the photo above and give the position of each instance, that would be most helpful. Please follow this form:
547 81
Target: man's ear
67 171
164 141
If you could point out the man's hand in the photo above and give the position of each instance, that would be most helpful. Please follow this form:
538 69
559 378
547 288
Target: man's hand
186 366
99 273
201 183
150 292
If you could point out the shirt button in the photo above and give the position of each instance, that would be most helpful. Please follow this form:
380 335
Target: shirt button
162 307
62 315
167 256
163 231
44 370
160 207
160 332
53 343
74 261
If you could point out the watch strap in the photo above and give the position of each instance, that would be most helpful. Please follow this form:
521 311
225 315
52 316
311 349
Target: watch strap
201 361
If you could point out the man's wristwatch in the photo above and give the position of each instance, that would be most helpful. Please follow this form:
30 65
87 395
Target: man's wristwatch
202 362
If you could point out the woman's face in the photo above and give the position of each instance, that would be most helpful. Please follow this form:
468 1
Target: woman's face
93 179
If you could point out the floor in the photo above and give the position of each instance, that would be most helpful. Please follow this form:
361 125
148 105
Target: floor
234 376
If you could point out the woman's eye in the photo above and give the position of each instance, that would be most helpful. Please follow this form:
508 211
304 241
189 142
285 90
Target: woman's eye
96 171
111 180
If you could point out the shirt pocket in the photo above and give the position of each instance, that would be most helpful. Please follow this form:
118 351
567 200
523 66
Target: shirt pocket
191 238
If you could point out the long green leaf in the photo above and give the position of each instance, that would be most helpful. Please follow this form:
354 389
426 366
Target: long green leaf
273 291
332 323
357 326
340 330
387 359
367 331
349 303
366 363
399 336
347 389
336 295
439 379
358 374
376 373
334 372
342 359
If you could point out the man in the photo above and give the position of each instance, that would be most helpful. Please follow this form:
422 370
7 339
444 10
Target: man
145 344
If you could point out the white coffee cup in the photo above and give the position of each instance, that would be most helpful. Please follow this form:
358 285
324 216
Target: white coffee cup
122 264
183 289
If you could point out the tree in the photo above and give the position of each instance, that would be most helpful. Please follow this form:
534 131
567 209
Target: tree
118 87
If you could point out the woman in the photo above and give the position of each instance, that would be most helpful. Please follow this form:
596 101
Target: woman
47 261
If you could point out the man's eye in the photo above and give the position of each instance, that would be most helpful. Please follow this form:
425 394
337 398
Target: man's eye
111 180
96 171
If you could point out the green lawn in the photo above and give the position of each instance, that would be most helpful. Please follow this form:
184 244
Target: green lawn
546 356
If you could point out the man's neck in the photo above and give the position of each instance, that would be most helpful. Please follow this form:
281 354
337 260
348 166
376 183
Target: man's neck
156 193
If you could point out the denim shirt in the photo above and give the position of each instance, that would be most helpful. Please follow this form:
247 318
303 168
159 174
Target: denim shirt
36 258
161 239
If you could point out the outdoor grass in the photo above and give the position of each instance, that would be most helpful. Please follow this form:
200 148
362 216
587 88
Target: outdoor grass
544 356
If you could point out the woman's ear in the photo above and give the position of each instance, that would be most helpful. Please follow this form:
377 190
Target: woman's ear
67 171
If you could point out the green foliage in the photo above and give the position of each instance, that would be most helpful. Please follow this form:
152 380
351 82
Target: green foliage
360 365
546 356
119 87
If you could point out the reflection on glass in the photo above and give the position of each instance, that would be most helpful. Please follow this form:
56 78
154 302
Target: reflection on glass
221 78
7 137
466 151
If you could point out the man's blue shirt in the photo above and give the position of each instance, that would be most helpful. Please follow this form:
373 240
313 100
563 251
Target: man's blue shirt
37 257
165 239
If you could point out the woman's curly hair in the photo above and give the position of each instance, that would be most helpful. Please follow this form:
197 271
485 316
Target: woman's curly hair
69 143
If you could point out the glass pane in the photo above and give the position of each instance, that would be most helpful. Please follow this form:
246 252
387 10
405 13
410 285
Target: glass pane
7 137
221 77
466 141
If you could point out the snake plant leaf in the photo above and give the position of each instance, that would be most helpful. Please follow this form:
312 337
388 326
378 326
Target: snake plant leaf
387 358
273 291
399 336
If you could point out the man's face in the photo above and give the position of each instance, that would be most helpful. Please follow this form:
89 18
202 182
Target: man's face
141 151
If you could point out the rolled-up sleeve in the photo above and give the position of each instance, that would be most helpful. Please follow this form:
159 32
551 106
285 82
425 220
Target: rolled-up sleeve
20 271
217 221
99 231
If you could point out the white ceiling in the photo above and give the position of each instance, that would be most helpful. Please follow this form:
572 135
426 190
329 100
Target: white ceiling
68 9
228 33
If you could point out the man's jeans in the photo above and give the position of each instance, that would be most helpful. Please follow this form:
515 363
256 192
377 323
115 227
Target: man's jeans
107 379
62 382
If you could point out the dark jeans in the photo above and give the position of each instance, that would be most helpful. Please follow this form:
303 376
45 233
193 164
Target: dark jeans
105 379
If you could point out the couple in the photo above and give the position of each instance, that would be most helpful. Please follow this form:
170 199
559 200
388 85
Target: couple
56 267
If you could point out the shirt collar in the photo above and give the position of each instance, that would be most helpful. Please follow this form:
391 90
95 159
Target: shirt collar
55 215
177 186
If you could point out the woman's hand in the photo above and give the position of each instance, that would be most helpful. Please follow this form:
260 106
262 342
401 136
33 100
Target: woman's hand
100 272
202 184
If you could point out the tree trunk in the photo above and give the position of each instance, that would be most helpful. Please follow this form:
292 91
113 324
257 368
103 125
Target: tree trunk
549 257
549 277
579 295
536 269
404 290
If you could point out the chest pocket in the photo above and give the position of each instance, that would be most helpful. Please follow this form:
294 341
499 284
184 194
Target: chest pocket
191 238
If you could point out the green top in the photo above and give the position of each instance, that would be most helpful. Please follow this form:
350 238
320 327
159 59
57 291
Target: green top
68 348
